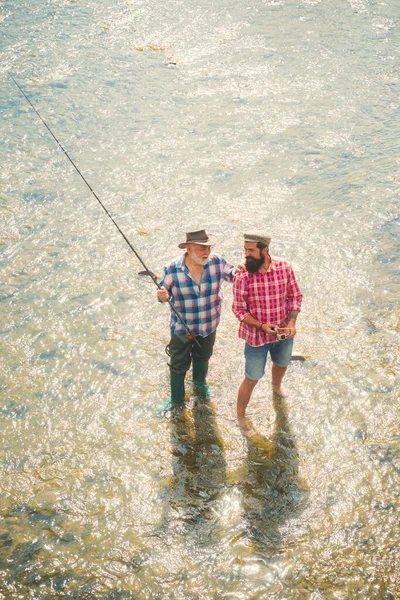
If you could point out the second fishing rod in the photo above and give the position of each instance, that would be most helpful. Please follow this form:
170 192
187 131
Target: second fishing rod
153 277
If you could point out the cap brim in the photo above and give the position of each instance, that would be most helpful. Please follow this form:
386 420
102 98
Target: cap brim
254 239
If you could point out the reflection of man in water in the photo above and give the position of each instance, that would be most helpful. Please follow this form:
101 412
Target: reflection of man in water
198 464
272 489
193 283
266 296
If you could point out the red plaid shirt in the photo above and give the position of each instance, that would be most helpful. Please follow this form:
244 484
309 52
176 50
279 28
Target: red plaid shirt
268 297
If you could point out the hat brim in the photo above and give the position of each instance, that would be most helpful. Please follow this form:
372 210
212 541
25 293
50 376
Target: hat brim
209 242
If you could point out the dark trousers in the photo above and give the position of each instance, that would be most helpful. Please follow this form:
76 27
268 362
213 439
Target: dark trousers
183 351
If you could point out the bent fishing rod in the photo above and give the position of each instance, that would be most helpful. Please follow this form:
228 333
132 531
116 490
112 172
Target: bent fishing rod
153 277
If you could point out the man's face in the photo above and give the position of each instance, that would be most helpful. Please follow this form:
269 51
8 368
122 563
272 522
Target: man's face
254 257
200 254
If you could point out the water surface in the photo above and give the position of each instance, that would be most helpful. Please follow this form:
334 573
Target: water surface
278 116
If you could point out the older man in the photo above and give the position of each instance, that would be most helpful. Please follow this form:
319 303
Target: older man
192 284
266 298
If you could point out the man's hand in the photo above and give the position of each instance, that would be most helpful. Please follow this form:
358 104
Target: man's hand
162 294
239 268
291 331
268 329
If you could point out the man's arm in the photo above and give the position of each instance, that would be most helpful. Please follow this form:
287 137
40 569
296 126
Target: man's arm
164 291
267 328
291 324
228 270
293 316
239 304
294 300
294 296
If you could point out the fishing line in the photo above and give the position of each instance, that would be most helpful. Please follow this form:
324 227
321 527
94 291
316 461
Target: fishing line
316 330
150 273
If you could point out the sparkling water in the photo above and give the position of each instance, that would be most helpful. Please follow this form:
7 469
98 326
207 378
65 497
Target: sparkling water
278 116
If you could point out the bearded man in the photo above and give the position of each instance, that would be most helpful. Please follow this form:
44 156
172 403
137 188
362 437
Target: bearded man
266 298
192 284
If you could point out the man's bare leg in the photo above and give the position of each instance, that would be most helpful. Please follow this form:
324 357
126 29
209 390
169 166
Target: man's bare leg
278 374
244 394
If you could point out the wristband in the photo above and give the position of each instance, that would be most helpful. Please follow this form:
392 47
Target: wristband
261 326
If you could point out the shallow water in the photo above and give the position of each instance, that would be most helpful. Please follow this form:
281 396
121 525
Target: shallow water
279 116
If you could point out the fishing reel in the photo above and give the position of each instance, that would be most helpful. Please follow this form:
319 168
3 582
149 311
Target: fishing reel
280 336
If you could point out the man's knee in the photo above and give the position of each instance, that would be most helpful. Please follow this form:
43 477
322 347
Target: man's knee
178 370
250 383
180 354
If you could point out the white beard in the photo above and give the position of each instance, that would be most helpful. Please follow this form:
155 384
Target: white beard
200 261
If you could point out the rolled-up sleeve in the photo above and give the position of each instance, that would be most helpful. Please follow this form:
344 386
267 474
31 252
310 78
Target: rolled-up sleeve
294 296
228 270
239 304
167 280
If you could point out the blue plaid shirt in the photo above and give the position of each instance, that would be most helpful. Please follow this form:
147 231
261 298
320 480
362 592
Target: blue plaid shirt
199 307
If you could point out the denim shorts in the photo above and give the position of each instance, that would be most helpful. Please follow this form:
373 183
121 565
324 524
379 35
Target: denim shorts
256 358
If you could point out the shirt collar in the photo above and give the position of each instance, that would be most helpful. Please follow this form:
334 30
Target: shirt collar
181 262
272 266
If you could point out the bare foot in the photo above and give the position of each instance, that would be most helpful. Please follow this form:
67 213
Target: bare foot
246 426
279 391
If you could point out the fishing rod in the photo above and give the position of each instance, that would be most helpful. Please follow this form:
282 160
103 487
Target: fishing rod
282 336
151 274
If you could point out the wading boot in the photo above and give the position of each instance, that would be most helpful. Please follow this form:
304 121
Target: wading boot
177 397
200 369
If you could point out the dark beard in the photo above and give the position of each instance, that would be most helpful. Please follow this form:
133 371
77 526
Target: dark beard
254 264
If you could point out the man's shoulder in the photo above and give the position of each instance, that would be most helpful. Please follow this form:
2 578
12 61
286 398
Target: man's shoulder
243 275
174 264
217 258
219 262
280 263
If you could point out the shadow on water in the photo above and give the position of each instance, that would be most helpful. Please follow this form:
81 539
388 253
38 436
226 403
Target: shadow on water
199 467
272 490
